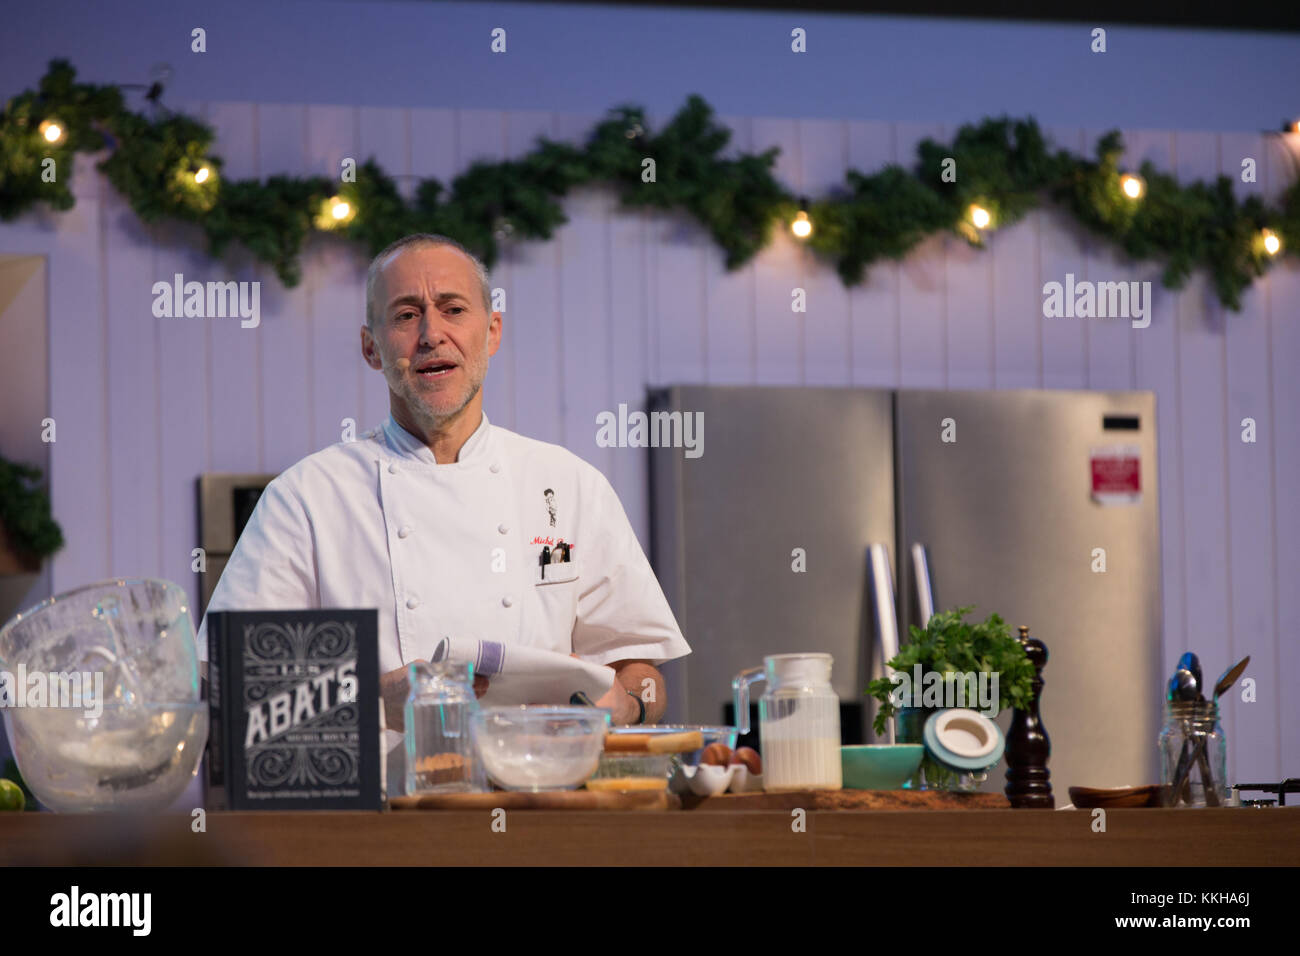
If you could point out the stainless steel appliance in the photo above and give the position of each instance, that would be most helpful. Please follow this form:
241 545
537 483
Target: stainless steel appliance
226 502
763 545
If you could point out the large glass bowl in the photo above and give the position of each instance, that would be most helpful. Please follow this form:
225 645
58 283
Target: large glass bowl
118 724
540 748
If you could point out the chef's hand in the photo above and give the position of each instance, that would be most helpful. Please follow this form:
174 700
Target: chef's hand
394 688
620 702
625 710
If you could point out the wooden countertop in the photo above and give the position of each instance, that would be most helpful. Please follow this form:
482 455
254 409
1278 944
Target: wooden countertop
1218 837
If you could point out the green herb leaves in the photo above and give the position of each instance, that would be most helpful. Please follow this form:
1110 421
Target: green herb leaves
949 645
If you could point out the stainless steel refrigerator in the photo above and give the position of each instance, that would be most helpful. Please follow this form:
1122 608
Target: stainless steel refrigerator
1039 505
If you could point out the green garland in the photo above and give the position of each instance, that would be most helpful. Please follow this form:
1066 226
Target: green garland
25 511
1003 165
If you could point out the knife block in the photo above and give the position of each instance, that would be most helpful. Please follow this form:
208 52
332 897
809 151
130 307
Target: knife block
1028 747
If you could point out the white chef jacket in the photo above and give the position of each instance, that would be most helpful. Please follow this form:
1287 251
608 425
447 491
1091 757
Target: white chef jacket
453 549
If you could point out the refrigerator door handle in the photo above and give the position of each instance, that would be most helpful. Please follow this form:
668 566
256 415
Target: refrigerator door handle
882 600
924 584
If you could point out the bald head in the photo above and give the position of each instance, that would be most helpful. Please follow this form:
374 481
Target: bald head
430 338
375 308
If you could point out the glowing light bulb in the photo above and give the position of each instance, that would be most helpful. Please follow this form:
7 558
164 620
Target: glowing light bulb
802 225
202 175
1272 244
1132 185
980 217
334 213
52 131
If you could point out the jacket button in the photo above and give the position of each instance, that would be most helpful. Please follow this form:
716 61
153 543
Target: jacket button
403 531
392 469
494 468
504 529
506 601
412 603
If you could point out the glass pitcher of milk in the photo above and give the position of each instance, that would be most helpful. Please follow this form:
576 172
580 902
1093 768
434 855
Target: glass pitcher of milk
798 721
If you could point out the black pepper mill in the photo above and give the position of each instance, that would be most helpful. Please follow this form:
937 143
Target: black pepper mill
1028 747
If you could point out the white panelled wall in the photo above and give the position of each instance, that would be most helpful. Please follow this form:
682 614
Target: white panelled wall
622 300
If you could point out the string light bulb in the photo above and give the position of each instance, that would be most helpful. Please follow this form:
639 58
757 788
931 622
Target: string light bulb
195 184
52 131
1132 185
802 225
979 216
1271 242
335 211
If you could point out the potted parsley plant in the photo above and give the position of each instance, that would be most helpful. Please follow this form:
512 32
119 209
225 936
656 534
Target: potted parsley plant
948 644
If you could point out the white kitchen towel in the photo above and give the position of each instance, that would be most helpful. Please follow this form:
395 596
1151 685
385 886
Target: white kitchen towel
525 675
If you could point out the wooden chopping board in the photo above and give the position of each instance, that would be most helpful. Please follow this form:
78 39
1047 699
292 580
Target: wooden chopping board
548 800
850 800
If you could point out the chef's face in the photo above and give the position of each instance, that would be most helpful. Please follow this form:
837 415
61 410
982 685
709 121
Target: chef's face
430 312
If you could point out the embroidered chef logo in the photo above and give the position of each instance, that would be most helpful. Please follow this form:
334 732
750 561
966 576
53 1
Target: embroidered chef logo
549 495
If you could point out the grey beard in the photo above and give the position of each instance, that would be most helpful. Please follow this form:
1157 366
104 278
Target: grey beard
432 422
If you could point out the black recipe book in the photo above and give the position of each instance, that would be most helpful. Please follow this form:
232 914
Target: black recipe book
293 706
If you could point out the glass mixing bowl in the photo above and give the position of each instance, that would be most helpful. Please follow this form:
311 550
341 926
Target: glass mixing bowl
104 710
540 748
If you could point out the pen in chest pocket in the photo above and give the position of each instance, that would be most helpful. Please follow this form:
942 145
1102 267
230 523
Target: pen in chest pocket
557 555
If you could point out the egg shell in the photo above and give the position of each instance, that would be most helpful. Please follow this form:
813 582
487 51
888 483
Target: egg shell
710 779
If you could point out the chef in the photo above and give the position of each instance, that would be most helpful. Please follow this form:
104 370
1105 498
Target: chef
451 525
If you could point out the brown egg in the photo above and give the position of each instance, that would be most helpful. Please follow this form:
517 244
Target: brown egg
750 758
719 755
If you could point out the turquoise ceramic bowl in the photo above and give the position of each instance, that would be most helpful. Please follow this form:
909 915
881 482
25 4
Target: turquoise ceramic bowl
879 766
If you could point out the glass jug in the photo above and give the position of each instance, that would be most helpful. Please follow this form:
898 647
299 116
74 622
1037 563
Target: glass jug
799 721
440 752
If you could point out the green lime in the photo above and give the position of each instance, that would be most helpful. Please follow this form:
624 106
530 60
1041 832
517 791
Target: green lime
11 796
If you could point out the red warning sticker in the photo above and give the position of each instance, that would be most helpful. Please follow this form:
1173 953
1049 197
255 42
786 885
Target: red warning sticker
1116 474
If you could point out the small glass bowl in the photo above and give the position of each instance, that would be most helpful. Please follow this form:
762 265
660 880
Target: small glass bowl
710 735
639 770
